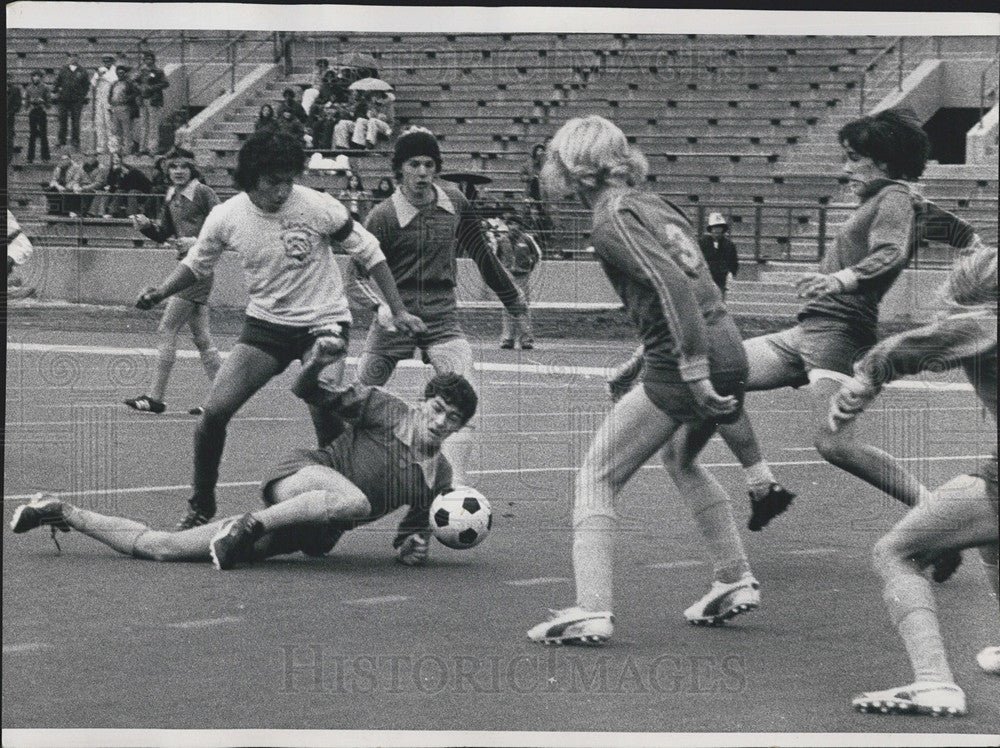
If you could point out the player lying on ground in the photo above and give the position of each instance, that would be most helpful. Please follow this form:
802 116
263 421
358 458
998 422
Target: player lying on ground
695 367
285 235
960 514
388 456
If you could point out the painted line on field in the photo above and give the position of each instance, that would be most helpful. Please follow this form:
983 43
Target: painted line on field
26 647
504 471
377 600
204 623
534 368
810 552
535 581
674 564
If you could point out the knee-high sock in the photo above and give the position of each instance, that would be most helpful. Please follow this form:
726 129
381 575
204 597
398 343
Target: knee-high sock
593 546
306 508
164 365
989 556
713 514
116 532
910 602
211 361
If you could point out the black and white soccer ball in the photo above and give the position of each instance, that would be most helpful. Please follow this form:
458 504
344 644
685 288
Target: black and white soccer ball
461 517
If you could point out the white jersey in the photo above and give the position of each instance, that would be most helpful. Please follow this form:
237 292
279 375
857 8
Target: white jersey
292 276
19 249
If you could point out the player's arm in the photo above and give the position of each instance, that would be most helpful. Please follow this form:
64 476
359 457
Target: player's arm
159 230
938 346
365 248
19 248
888 245
472 242
412 541
198 263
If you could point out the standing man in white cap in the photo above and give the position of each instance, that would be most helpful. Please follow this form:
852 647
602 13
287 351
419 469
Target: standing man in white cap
719 251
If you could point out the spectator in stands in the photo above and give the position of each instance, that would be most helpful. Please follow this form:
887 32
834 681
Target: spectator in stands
539 220
376 123
71 89
323 118
319 74
354 197
14 100
187 206
312 94
517 251
123 98
160 184
59 189
383 189
719 251
334 88
36 98
126 190
265 118
100 85
290 104
90 186
150 82
288 122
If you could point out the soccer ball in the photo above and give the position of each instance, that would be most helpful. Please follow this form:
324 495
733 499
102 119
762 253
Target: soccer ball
461 517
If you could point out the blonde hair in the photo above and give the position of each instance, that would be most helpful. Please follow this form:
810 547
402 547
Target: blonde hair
589 153
972 281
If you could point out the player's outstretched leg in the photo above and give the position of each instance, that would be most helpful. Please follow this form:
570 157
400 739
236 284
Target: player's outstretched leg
957 515
734 589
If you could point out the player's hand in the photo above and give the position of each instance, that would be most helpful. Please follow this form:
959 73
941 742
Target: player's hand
854 396
181 244
710 402
414 550
325 351
384 317
148 298
812 285
409 323
139 221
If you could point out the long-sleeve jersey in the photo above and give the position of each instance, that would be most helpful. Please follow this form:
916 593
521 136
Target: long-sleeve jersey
184 213
870 251
650 256
376 452
421 246
291 273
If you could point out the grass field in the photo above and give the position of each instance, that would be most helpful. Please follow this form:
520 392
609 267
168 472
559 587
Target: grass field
354 641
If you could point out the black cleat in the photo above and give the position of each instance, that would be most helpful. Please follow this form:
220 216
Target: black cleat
146 404
767 507
945 565
199 513
41 510
234 541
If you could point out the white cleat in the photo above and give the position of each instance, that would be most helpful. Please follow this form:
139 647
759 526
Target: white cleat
989 660
575 626
923 697
725 601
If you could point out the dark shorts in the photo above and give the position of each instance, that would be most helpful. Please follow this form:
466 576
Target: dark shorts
675 399
285 343
290 464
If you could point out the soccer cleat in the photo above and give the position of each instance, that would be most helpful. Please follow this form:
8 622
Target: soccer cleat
507 344
945 565
724 601
234 541
923 697
199 513
41 510
989 660
527 344
146 404
765 508
575 626
197 410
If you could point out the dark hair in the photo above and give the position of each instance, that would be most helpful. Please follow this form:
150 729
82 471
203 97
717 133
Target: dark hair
288 93
353 175
893 137
268 152
456 391
260 112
